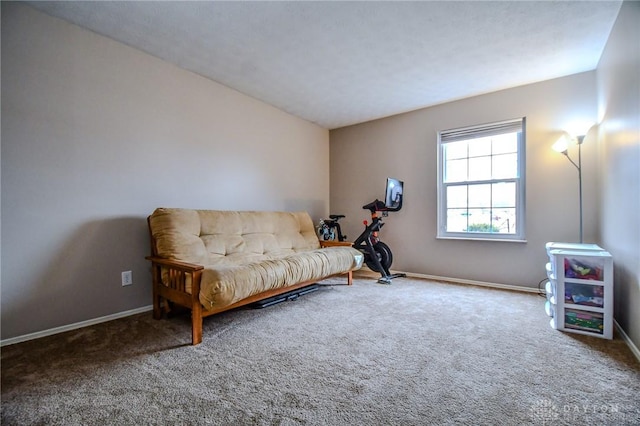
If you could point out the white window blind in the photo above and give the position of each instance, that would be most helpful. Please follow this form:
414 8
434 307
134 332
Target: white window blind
482 131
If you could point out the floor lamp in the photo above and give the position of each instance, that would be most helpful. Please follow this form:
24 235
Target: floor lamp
562 146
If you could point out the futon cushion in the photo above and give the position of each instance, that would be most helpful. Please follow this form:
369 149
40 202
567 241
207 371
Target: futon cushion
213 237
225 285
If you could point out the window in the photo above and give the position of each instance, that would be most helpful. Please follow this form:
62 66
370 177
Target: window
481 181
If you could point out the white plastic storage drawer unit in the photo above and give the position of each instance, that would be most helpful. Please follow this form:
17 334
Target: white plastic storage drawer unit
580 289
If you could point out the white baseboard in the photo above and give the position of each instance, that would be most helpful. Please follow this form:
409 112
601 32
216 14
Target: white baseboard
476 283
74 326
627 340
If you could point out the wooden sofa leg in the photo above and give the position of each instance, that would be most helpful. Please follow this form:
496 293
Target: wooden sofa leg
157 306
350 278
196 324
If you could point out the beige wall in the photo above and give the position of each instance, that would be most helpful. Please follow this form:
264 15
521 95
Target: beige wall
95 135
619 108
404 146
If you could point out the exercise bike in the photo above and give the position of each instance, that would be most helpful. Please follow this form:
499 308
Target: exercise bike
377 255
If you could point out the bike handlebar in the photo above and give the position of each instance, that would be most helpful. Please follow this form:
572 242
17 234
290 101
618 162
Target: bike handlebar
380 206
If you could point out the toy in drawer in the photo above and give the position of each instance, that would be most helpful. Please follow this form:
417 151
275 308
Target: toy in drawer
584 294
582 269
582 320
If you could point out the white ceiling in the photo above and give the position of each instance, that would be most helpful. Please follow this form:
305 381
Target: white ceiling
341 63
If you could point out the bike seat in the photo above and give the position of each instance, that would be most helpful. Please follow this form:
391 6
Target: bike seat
336 216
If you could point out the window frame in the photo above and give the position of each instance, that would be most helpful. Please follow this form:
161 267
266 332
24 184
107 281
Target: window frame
471 132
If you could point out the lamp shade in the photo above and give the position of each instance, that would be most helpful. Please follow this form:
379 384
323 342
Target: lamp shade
561 145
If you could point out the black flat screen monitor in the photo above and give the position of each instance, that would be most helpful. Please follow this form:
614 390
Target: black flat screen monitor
393 194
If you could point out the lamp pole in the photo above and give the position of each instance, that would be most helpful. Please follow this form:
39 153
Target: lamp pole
578 166
562 146
580 139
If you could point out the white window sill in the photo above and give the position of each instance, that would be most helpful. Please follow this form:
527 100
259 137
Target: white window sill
493 240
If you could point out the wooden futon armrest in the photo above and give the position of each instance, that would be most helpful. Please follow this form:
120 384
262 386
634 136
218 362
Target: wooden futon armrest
178 282
175 264
334 243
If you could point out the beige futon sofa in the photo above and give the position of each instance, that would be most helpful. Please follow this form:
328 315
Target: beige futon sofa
211 261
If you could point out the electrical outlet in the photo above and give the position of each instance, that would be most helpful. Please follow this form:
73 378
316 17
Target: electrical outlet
127 278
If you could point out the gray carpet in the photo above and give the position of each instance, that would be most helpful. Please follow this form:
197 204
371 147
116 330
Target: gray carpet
411 353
